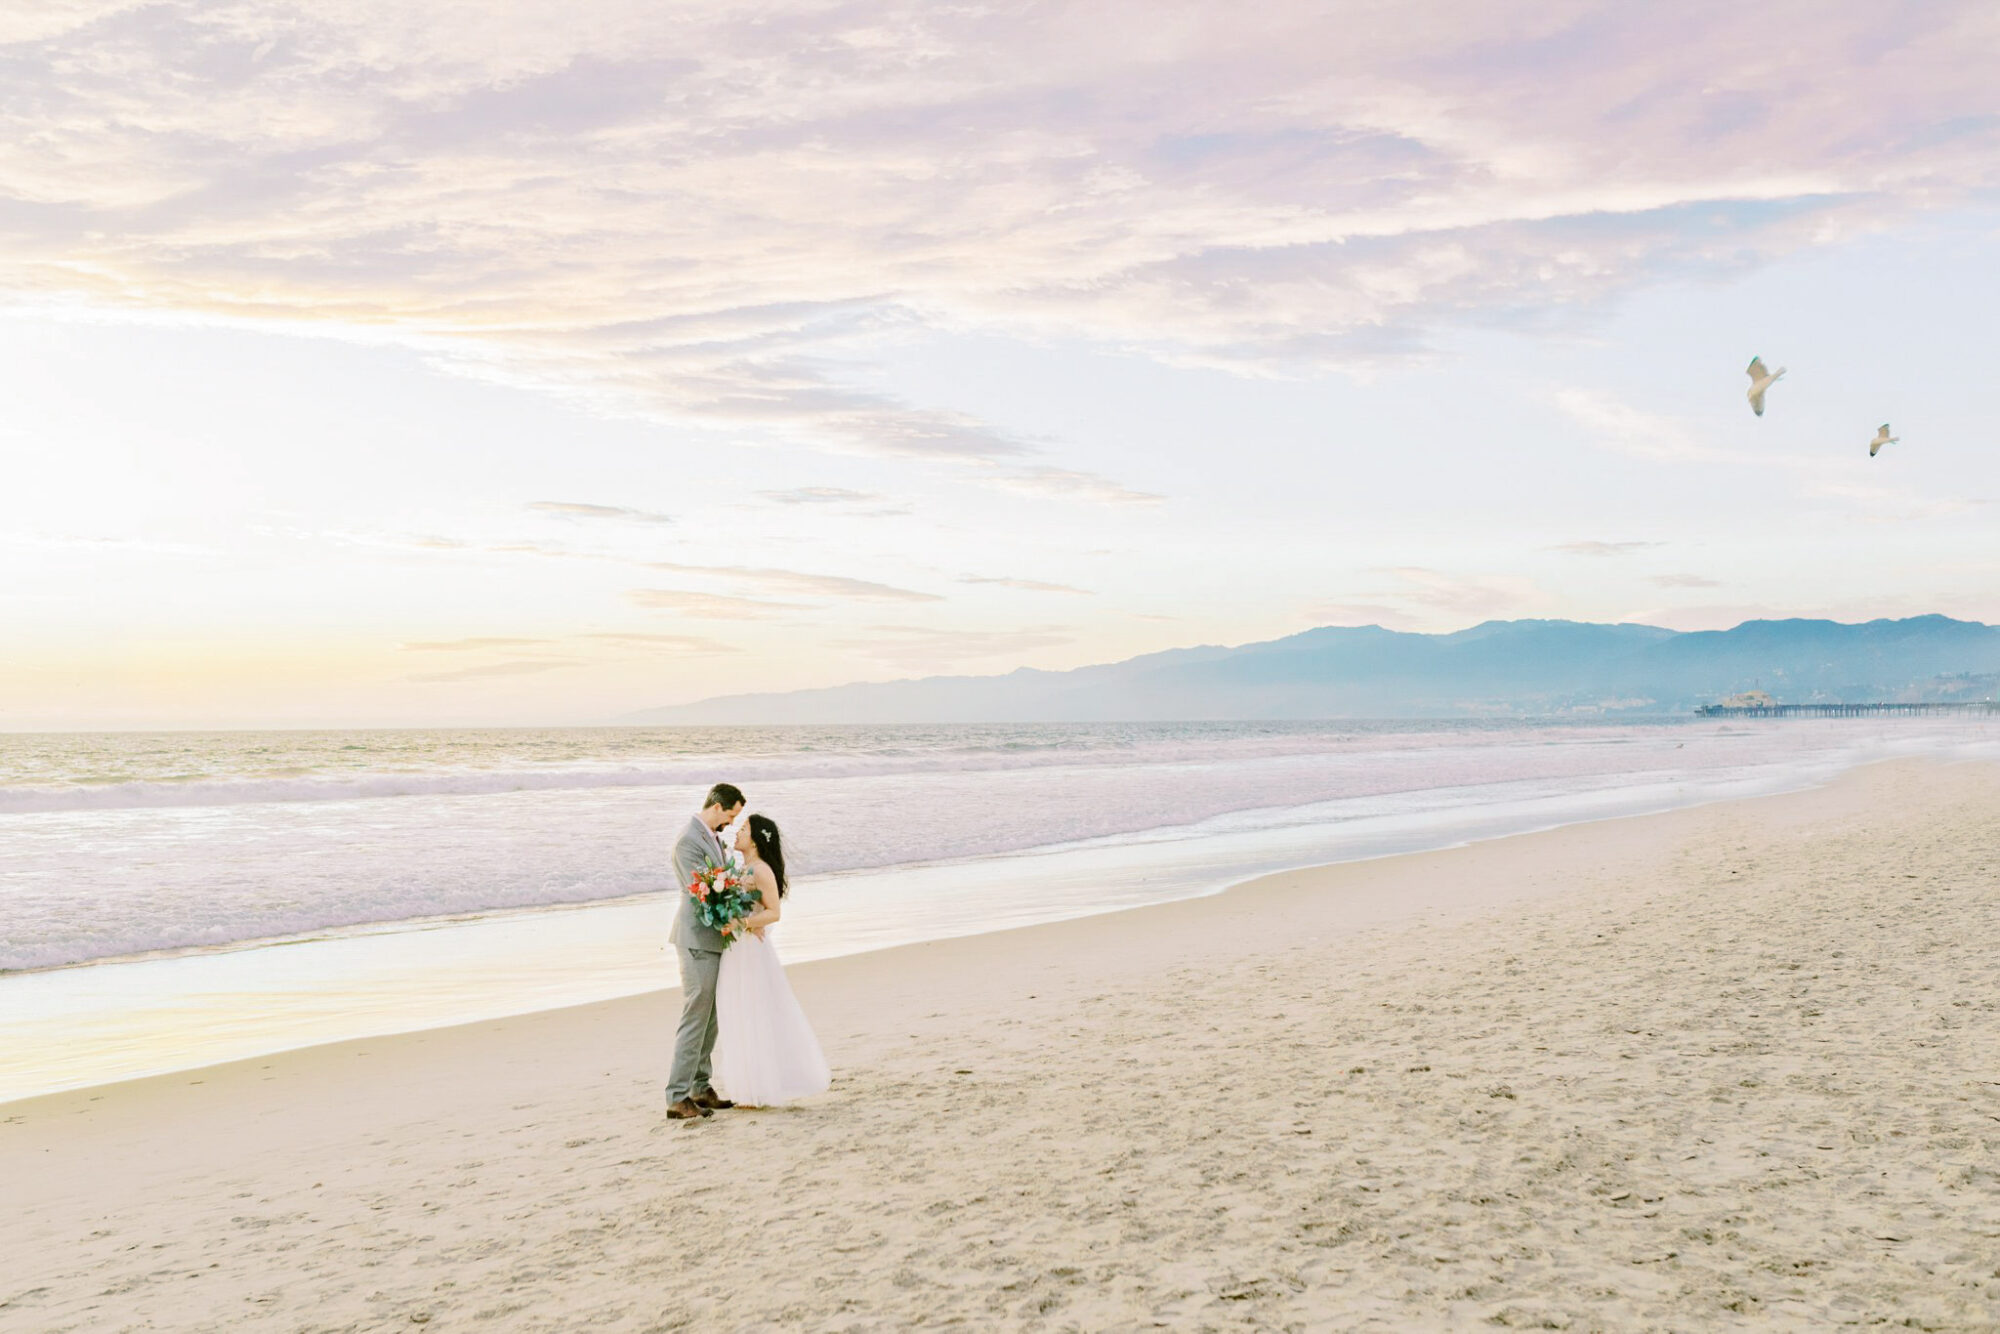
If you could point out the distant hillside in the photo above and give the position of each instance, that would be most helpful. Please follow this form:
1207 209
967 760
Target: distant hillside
1500 668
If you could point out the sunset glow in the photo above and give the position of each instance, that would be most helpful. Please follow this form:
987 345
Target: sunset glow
372 365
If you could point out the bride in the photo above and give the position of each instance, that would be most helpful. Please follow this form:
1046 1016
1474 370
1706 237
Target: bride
765 1051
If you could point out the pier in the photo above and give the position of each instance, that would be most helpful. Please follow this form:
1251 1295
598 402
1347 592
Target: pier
1976 708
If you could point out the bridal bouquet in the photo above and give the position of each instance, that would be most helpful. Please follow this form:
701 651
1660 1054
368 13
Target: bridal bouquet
724 894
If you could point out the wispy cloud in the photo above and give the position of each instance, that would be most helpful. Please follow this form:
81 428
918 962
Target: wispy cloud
710 606
1064 484
493 669
430 542
574 510
1604 548
839 499
608 638
1610 423
755 579
716 218
468 645
821 495
1485 596
671 643
931 648
1682 581
800 584
1024 585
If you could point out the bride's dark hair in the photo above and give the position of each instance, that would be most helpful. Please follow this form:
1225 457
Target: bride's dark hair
764 833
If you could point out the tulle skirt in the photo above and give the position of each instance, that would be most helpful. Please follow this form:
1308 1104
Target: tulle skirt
765 1051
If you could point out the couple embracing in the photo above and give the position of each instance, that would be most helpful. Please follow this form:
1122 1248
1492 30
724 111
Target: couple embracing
741 1030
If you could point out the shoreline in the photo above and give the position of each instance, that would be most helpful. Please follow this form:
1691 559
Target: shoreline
85 1028
1694 1069
266 872
1249 885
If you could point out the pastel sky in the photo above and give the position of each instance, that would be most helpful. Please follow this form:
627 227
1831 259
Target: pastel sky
505 362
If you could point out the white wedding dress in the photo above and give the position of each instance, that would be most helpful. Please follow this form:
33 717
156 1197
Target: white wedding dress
765 1051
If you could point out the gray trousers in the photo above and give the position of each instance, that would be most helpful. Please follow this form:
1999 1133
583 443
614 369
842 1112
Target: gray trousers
694 1041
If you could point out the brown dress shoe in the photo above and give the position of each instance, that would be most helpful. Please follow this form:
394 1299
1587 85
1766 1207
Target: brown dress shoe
712 1101
687 1109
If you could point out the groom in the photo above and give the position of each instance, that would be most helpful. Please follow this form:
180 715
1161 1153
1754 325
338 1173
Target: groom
688 1093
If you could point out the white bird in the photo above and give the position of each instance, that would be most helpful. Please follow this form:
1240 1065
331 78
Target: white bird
1760 380
1882 437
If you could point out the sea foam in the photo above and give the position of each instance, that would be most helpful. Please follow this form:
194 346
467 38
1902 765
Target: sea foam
117 846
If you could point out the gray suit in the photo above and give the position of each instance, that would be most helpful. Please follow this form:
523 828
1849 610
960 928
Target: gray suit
700 949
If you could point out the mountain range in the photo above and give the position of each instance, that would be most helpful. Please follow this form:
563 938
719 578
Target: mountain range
1499 668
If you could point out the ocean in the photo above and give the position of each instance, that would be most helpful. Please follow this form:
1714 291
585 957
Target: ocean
267 889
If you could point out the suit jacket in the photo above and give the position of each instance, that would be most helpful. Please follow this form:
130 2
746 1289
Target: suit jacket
697 847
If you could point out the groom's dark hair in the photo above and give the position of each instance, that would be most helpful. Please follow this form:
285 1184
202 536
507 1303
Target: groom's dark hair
726 795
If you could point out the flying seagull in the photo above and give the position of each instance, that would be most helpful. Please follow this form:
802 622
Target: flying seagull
1882 437
1760 380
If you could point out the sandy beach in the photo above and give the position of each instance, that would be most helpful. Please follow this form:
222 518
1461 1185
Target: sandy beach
1736 1066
